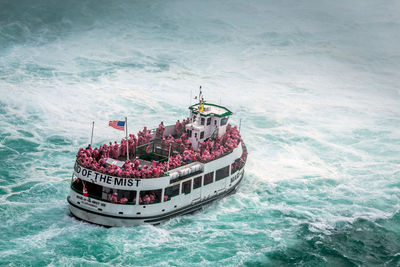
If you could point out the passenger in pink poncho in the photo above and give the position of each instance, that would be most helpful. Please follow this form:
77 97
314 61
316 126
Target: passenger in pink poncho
156 171
123 200
137 174
131 145
116 151
114 198
146 199
123 147
136 163
160 130
152 198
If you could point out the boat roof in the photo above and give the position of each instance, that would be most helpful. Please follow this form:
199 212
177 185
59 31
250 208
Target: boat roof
211 109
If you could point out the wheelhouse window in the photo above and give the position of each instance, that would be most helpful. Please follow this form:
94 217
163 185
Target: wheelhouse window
208 178
186 187
208 121
222 173
224 121
202 120
171 192
202 135
150 197
197 182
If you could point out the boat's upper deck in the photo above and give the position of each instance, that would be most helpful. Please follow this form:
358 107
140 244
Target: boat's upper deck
153 154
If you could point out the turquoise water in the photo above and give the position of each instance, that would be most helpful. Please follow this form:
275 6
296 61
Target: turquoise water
315 83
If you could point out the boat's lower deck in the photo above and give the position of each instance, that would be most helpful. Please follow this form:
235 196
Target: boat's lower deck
90 210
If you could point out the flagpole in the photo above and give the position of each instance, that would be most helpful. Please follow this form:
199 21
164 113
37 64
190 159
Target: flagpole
127 141
91 138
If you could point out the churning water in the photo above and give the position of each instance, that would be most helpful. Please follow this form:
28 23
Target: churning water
316 84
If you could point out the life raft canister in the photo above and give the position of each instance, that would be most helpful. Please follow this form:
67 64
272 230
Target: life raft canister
148 149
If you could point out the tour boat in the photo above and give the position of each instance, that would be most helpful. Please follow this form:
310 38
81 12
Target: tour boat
156 175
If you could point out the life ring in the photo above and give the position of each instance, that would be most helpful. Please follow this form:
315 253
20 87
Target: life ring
148 149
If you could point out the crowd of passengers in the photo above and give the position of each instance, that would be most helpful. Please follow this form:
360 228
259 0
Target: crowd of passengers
149 198
96 158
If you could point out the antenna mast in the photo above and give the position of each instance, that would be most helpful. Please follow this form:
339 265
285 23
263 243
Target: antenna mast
200 95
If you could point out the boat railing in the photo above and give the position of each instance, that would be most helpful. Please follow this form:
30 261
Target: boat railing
156 150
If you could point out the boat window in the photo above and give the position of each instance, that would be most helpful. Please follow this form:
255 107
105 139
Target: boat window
150 197
224 121
104 193
189 133
215 122
119 196
208 121
93 190
77 184
171 192
222 173
197 182
195 135
208 178
235 166
186 187
202 135
107 193
202 120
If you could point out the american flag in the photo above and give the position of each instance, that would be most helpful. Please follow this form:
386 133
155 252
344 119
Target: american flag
119 125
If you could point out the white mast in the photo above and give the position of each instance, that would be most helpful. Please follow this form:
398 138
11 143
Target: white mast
91 138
